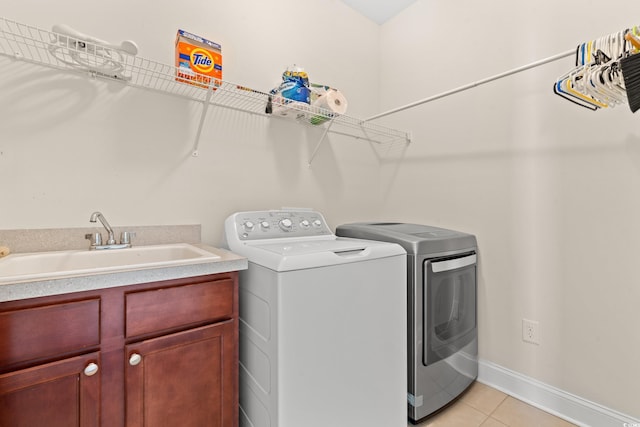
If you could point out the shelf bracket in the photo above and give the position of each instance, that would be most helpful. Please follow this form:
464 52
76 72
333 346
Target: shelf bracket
205 108
322 139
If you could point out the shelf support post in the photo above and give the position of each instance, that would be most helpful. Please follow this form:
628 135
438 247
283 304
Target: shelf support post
322 139
205 107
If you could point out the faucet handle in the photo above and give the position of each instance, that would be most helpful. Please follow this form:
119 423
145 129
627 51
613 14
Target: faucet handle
125 237
95 238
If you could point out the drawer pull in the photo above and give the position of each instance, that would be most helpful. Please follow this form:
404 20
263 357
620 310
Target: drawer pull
91 369
135 359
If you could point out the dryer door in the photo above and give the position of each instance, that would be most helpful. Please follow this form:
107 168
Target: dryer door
449 306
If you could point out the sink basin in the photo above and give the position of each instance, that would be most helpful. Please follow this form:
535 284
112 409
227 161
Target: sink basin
50 265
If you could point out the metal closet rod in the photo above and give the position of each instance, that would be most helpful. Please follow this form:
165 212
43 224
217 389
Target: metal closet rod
571 52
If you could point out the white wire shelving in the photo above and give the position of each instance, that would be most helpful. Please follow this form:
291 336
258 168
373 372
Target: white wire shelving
62 52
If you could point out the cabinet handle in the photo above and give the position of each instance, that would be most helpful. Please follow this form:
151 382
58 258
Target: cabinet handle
135 359
91 369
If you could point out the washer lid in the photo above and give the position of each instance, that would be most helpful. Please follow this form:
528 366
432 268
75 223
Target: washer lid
305 247
305 253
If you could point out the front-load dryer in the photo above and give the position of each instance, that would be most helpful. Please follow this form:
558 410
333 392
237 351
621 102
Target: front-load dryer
441 306
323 333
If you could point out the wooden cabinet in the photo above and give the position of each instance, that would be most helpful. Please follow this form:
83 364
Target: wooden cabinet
41 382
58 394
183 379
163 353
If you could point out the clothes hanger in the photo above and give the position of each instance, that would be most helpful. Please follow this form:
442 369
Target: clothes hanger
604 79
557 89
564 88
575 84
571 86
602 89
597 80
633 39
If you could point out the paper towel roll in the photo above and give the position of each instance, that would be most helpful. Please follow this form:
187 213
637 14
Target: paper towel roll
333 101
4 251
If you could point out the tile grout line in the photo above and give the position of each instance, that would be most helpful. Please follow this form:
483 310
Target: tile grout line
504 399
506 396
486 417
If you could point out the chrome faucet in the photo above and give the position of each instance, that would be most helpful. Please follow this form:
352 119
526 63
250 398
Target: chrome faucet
98 216
96 238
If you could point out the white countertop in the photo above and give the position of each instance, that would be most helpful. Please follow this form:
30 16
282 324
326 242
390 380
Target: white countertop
227 262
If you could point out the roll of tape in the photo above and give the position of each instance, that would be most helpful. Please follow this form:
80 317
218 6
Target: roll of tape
4 251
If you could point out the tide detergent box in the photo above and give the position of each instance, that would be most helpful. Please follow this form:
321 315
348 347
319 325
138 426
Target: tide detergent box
198 60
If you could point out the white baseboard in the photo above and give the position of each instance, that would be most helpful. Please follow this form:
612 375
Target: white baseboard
550 399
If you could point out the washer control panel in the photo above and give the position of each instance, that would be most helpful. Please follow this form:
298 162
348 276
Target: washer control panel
276 224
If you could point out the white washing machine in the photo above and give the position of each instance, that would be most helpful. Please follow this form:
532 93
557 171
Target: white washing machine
323 331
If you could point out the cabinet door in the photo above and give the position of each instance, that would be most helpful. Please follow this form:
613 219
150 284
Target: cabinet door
187 379
59 394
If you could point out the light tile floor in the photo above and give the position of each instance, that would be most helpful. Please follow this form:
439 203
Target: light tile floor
483 406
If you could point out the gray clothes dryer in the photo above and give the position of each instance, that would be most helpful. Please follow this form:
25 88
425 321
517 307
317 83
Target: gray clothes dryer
441 306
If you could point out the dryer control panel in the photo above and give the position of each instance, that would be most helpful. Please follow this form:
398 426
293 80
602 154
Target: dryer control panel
274 224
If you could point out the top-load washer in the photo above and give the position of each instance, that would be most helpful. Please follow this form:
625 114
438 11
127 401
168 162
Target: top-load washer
441 306
322 324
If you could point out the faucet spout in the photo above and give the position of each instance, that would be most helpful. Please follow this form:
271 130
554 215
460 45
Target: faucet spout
98 216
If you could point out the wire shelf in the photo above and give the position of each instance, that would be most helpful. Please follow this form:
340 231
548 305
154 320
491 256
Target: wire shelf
60 51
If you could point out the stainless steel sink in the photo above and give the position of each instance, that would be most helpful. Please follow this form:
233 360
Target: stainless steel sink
51 265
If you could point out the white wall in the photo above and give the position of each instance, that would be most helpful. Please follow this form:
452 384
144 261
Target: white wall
71 145
550 189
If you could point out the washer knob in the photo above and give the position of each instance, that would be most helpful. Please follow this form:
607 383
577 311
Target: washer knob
248 225
305 223
285 224
265 225
317 223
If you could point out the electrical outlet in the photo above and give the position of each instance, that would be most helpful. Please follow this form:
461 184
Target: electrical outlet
531 331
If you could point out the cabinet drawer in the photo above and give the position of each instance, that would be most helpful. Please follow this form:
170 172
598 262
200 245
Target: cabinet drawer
174 307
48 331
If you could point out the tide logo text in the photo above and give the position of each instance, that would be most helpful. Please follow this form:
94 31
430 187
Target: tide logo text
202 61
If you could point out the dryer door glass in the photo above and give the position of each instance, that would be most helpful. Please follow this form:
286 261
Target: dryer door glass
449 306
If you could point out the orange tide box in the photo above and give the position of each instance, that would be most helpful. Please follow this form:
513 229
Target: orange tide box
198 60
